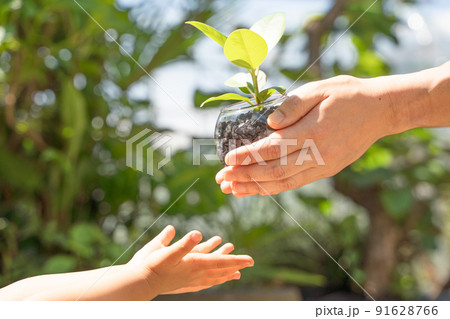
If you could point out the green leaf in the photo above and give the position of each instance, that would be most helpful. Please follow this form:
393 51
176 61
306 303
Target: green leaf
245 89
227 97
209 32
265 94
271 28
245 48
201 96
240 80
249 89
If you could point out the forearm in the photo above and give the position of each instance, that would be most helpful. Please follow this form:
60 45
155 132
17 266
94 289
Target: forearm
419 99
27 287
110 284
122 284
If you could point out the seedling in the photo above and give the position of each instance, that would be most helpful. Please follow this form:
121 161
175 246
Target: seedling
248 48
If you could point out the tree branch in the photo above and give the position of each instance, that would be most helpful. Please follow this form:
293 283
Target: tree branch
316 29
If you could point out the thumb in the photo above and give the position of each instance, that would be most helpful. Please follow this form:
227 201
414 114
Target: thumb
162 240
164 237
184 246
296 106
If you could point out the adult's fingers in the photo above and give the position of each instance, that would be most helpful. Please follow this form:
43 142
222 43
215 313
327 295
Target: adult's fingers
280 143
296 106
274 170
208 245
219 176
276 145
275 187
225 187
184 246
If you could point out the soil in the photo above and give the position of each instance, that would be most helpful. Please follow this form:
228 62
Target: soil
245 129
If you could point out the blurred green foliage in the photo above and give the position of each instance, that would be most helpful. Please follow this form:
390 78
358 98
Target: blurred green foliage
68 202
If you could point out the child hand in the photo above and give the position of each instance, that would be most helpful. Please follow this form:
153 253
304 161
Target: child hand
206 248
186 266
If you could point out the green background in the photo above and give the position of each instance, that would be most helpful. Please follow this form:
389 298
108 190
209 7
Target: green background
68 202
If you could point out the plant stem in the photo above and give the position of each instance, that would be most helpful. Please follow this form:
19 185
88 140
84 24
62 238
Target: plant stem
254 74
252 93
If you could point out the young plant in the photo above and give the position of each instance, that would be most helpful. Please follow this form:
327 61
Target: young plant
248 48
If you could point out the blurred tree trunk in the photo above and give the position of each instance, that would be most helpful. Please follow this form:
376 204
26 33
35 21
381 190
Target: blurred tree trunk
380 259
316 29
383 239
385 235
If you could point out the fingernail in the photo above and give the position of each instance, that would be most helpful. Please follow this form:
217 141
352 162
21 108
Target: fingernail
276 117
237 276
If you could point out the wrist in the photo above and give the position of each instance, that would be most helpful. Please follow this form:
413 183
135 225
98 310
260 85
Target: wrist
439 96
415 100
145 281
383 110
402 100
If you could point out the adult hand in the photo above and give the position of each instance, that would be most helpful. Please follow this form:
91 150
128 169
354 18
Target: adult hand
341 116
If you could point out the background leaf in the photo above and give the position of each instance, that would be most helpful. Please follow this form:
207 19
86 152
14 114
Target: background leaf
397 203
59 264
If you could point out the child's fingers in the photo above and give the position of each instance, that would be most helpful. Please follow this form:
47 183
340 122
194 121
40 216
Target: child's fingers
224 250
198 288
209 282
184 246
221 272
161 240
208 245
209 261
165 236
236 275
